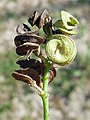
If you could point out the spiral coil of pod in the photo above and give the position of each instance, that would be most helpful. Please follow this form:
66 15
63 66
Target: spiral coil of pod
61 49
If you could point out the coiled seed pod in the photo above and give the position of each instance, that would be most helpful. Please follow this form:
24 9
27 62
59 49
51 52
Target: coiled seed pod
61 49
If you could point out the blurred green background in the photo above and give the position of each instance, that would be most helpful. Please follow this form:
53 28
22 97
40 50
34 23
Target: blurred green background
70 90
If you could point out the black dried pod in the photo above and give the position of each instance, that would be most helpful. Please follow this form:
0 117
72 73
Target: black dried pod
52 74
23 38
32 63
22 28
28 63
27 47
28 75
41 19
48 28
22 77
32 19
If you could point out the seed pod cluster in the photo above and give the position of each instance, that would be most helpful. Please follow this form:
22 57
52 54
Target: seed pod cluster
60 49
27 42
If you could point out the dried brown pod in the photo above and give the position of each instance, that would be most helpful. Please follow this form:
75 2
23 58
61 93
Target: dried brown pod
22 77
48 27
32 19
40 20
28 63
52 74
39 67
32 38
22 28
32 63
28 75
27 48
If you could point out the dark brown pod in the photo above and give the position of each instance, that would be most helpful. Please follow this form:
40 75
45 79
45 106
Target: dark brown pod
52 74
28 75
22 28
32 63
20 39
32 19
48 28
28 63
41 19
22 77
26 47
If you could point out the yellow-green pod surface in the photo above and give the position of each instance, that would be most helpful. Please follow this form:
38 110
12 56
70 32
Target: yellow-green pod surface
61 49
69 21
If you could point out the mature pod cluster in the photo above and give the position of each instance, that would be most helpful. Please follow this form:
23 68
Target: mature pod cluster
27 42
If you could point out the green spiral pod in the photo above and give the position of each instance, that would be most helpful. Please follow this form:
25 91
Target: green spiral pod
61 49
69 21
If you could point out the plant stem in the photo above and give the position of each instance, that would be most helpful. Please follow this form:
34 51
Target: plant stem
45 106
45 96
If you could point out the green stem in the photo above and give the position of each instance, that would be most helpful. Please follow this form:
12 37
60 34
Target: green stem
45 106
45 96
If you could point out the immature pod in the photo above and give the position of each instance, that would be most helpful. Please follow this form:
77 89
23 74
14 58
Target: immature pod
61 49
69 21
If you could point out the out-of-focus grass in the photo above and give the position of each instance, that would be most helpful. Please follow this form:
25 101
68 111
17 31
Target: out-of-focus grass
83 1
7 65
5 107
8 86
